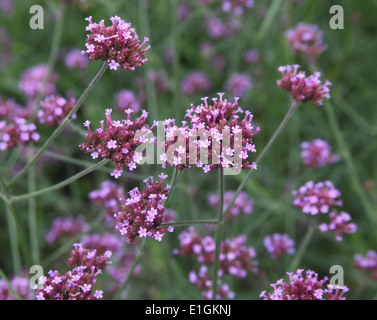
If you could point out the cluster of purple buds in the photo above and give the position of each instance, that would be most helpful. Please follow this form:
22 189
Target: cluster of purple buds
9 109
339 224
117 44
118 141
317 153
307 287
143 212
17 133
367 263
75 60
54 109
216 130
307 39
126 99
64 227
237 7
20 285
242 204
238 84
78 283
303 89
279 245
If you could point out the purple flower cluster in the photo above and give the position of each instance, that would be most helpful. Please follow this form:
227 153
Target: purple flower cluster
118 44
278 245
64 227
215 128
126 99
54 109
117 141
242 204
339 224
237 7
18 284
303 89
143 212
78 283
307 39
74 59
317 153
367 263
238 84
307 287
195 82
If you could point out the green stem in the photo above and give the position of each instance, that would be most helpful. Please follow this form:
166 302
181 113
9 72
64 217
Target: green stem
219 232
60 184
283 123
59 129
268 20
189 223
300 252
32 216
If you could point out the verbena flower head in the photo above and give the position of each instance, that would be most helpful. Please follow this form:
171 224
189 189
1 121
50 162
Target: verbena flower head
78 283
74 59
313 198
278 245
54 109
205 284
238 84
18 284
367 263
17 133
31 81
64 227
143 212
317 153
117 44
9 109
118 141
303 89
219 130
195 82
339 224
242 204
304 287
101 242
126 99
307 39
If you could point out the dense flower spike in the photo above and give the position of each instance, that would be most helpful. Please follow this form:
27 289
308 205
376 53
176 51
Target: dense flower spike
307 39
108 195
316 198
205 285
307 287
31 81
317 153
303 89
54 109
237 7
118 44
218 131
17 133
339 224
278 245
66 227
242 204
367 263
118 141
76 284
18 284
195 82
143 212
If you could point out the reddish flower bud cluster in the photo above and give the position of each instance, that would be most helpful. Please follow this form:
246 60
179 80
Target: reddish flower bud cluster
215 128
339 224
367 263
307 39
118 44
242 204
317 153
316 198
278 245
66 226
76 284
17 133
142 214
303 89
54 109
117 141
306 287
